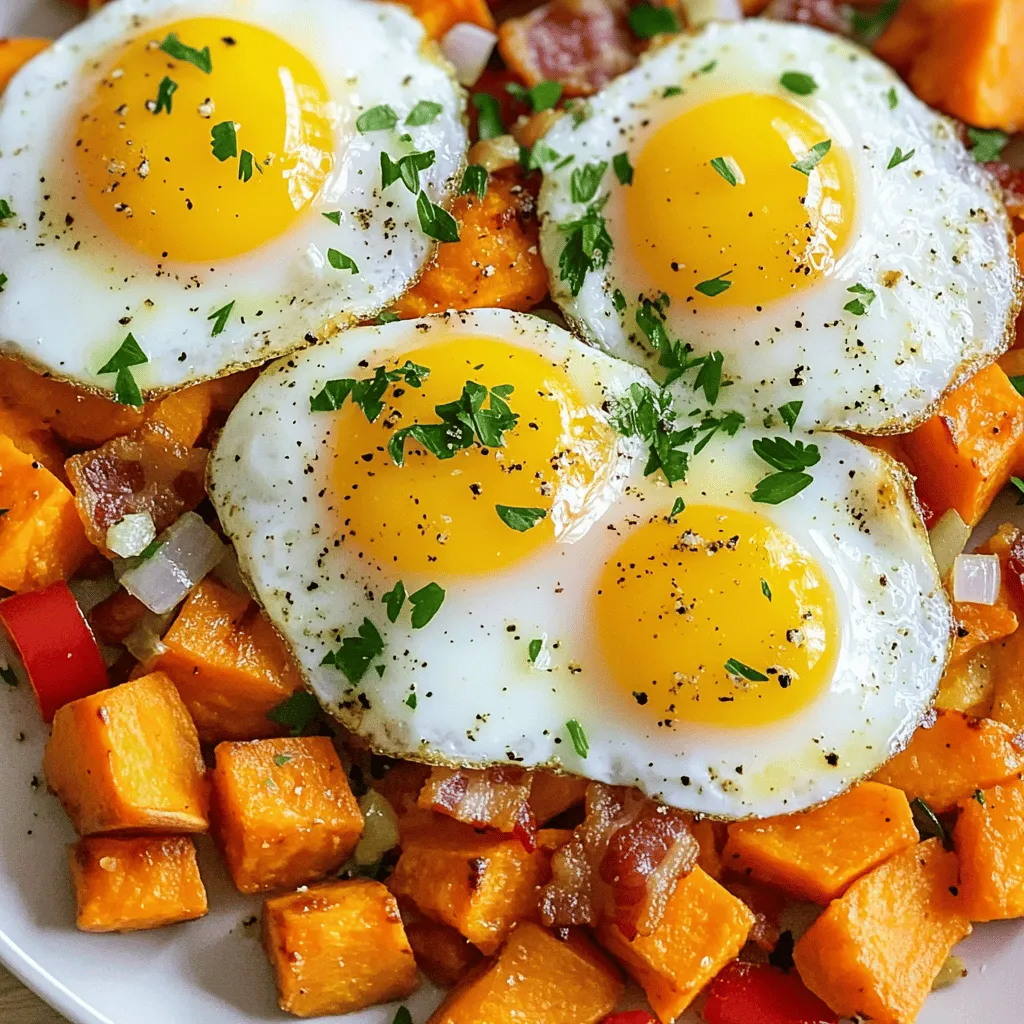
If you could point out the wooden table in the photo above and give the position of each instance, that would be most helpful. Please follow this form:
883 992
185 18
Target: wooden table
19 1006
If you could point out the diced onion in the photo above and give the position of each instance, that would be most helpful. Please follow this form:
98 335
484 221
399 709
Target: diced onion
949 536
145 641
976 579
469 48
700 12
188 551
380 829
131 534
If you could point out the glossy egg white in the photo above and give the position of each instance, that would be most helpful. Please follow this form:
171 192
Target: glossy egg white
930 237
74 289
479 699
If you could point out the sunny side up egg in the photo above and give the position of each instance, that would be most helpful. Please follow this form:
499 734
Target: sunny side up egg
803 213
207 175
536 598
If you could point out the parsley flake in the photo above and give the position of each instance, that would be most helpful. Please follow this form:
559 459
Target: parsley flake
224 140
368 392
165 90
986 145
709 376
474 179
340 261
765 589
403 1016
618 300
3 281
678 506
353 658
979 796
1018 383
534 649
407 169
585 181
899 157
868 26
297 712
425 112
175 48
435 222
334 216
789 413
623 168
393 601
587 247
520 519
488 123
892 98
736 668
577 735
282 759
648 21
649 415
8 676
726 167
425 604
6 213
671 90
1019 484
790 459
245 165
543 96
410 701
220 318
815 155
129 354
376 119
715 286
859 306
799 83
928 824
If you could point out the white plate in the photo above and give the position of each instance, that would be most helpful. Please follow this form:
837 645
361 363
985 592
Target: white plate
213 971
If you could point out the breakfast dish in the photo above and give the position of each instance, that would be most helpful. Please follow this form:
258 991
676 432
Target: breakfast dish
513 509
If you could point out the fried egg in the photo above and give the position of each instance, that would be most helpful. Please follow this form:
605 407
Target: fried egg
207 175
799 210
732 658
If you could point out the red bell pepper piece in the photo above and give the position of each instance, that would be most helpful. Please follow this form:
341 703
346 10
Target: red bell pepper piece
56 646
630 1017
760 994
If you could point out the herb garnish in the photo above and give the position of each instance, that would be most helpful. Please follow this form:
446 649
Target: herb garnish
859 306
1019 484
715 286
534 649
1018 383
765 589
435 222
724 165
789 413
425 112
165 90
586 180
220 318
175 48
799 83
623 168
892 99
730 422
474 179
410 701
737 668
340 261
868 26
649 415
408 168
488 122
899 157
334 216
129 354
425 604
393 601
520 519
224 140
245 166
376 119
587 247
356 652
368 392
790 459
709 376
297 712
282 759
3 281
979 796
647 21
543 96
6 213
815 155
987 144
576 733
928 824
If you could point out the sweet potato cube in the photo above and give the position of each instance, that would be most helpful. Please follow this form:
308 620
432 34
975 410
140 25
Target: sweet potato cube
1008 683
229 665
479 884
989 839
877 949
537 978
969 683
442 954
30 434
815 855
127 760
284 814
41 537
337 948
127 885
704 927
947 761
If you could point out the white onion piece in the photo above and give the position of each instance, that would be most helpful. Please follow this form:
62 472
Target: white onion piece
700 12
145 641
469 48
976 579
949 536
380 829
188 551
131 534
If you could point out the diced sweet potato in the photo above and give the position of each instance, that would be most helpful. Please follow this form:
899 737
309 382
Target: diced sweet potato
337 948
978 624
183 414
127 885
968 684
496 262
438 16
966 453
877 950
952 758
442 954
815 855
284 814
552 794
704 927
1008 684
16 52
30 434
479 884
989 838
401 784
229 664
537 978
127 760
41 536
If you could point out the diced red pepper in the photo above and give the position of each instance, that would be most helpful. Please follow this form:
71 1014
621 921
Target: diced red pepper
630 1017
56 646
760 994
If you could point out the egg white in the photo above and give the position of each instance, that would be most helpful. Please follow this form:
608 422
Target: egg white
479 700
931 236
74 290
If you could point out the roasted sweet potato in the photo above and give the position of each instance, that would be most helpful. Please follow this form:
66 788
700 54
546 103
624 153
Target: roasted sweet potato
496 261
877 950
438 16
442 954
16 52
1008 682
30 434
41 536
127 760
401 783
127 885
283 812
710 836
337 948
815 855
950 759
704 927
478 884
989 838
968 684
229 664
537 978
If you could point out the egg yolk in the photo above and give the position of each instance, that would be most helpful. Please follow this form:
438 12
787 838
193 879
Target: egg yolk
438 516
145 142
772 232
719 617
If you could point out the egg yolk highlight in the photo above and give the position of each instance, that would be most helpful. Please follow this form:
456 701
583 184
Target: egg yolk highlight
145 149
437 516
719 617
774 231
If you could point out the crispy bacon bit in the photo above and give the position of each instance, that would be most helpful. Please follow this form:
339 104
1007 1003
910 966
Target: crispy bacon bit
497 798
767 905
145 471
114 619
622 863
1013 571
1012 181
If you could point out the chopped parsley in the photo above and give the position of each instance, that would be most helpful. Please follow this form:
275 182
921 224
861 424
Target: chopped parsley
403 1016
1019 484
623 168
869 25
706 68
297 712
577 735
891 98
8 676
789 413
129 354
474 179
648 21
671 90
3 281
6 213
649 415
736 668
435 222
356 653
425 112
534 158
815 155
789 459
986 144
899 157
334 216
586 180
387 317
709 376
520 519
340 261
799 83
245 166
488 122
542 96
220 318
765 589
534 649
859 306
368 392
1018 383
723 165
224 140
425 604
928 824
376 119
979 796
393 601
678 506
715 286
165 91
408 169
175 48
282 759
730 422
587 247
618 300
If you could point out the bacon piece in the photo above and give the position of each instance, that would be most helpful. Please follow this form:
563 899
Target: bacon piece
622 863
1014 570
767 905
497 798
